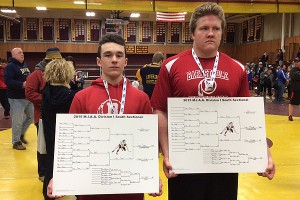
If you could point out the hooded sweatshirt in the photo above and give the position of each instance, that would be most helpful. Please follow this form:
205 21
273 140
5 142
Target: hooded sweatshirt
15 74
94 99
34 88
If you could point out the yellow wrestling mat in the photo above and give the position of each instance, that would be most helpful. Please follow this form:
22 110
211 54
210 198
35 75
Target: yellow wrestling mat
19 179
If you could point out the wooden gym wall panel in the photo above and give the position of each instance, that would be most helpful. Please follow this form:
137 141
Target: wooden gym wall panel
244 52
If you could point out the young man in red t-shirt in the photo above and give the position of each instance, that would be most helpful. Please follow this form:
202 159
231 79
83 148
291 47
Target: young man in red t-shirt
200 71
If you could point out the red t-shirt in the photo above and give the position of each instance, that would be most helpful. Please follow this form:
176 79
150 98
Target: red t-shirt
180 76
94 99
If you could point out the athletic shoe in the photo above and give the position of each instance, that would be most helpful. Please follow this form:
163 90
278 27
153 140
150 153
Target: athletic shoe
291 118
23 140
18 146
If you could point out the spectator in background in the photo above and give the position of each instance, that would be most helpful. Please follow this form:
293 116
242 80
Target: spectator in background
34 91
264 59
135 83
249 76
78 79
279 57
266 83
15 75
281 80
260 83
272 77
57 98
298 53
288 83
295 85
3 90
148 74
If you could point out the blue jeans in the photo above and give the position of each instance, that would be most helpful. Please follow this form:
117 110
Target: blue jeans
280 91
22 117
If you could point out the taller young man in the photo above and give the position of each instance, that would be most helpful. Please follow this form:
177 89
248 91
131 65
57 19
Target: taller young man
111 94
200 71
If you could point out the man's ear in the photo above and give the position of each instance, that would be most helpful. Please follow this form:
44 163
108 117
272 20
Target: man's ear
126 60
98 60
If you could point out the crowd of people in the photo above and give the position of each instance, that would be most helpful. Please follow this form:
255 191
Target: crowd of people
271 81
55 87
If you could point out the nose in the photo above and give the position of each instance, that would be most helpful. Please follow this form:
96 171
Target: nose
114 58
210 32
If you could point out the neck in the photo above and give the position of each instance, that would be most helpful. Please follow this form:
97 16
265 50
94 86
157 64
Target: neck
112 81
201 54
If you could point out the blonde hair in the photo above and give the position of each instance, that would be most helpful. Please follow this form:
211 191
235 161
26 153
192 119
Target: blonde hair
59 72
205 9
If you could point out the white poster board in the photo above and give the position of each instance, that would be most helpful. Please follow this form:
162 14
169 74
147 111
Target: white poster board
217 135
105 154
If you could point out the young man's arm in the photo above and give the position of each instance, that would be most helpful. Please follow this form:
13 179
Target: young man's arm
163 140
270 170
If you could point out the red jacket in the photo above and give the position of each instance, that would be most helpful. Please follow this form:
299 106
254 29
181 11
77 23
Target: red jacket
94 99
2 83
34 89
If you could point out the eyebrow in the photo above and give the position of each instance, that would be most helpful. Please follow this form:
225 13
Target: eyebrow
117 52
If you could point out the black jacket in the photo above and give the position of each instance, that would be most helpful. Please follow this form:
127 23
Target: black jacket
56 99
295 78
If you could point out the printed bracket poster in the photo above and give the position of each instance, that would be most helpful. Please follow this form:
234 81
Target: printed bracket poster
105 154
217 135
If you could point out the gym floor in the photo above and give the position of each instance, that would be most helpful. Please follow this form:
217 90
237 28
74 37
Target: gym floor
19 179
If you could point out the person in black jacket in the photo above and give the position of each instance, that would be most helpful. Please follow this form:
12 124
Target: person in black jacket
15 75
295 85
148 74
57 98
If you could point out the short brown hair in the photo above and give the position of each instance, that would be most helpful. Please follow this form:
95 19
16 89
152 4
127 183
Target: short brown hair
204 10
115 38
157 57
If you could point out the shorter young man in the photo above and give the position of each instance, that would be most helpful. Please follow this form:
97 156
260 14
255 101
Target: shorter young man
110 94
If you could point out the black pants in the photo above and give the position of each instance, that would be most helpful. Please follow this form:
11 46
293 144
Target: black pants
41 158
4 101
203 187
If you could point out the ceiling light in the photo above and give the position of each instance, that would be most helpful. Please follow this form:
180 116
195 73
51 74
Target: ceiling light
135 15
5 10
79 2
90 14
41 8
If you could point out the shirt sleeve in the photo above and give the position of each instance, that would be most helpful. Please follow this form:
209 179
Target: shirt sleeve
32 89
75 106
244 87
138 75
